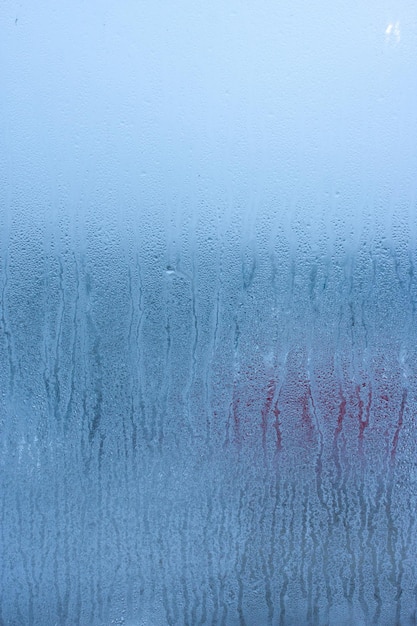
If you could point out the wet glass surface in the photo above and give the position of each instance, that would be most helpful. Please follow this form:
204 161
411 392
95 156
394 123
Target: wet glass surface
208 293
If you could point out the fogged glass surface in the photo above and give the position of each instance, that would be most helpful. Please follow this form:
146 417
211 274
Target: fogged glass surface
208 313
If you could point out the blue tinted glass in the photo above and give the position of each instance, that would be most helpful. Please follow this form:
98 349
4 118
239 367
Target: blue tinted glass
208 332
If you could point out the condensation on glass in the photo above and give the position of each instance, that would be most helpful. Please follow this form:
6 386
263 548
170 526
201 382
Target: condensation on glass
208 313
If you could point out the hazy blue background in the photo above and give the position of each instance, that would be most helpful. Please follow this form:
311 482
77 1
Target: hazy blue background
208 225
265 107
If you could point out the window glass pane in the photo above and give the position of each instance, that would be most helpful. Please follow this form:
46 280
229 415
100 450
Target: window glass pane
208 313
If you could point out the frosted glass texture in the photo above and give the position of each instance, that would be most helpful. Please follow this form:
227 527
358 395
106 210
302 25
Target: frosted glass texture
208 293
